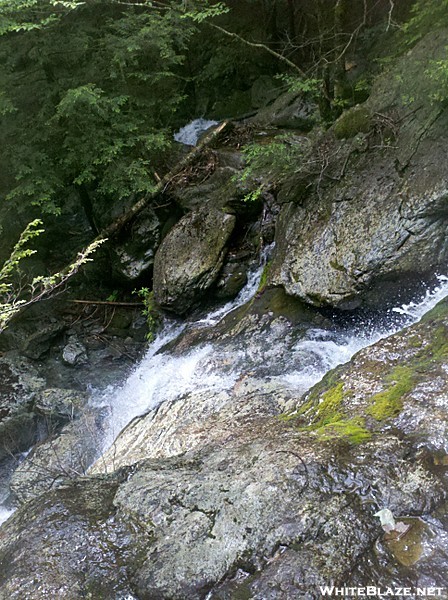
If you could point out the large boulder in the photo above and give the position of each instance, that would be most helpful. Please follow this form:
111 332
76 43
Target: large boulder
378 215
190 257
134 255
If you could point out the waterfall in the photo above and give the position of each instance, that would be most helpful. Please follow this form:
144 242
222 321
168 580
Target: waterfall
161 377
5 513
216 365
189 134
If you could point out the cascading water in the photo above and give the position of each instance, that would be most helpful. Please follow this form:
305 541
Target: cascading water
189 134
161 376
275 353
216 366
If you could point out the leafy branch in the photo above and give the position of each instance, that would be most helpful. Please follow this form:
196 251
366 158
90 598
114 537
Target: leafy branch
14 296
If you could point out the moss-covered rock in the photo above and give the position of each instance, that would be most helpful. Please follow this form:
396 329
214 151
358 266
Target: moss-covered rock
190 257
401 380
356 120
371 224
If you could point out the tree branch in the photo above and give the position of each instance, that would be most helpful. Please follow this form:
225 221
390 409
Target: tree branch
259 46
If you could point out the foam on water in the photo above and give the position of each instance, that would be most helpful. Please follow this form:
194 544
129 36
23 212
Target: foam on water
189 134
5 513
323 350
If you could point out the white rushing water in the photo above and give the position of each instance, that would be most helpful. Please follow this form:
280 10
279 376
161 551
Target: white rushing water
189 134
162 375
165 376
5 513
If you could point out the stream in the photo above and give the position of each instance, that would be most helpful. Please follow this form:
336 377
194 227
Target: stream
292 359
270 351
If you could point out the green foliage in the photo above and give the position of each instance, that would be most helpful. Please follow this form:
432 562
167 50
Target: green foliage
19 252
203 12
28 15
150 311
88 101
427 15
296 84
438 75
268 164
14 293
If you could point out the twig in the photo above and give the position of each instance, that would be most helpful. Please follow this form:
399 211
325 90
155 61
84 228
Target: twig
107 302
389 18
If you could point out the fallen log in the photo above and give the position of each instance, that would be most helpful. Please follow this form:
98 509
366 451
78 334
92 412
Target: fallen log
45 287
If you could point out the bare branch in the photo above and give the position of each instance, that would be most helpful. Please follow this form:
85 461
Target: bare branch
389 18
259 46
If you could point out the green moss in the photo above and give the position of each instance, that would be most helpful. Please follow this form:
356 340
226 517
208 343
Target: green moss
389 402
438 348
264 277
328 410
414 341
353 121
287 417
329 421
351 429
438 312
326 386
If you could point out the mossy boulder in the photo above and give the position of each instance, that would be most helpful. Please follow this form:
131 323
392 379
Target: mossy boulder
399 382
356 120
190 257
372 223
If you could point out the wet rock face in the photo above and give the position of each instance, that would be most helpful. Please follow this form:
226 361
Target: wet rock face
19 388
364 243
133 257
269 512
190 257
378 216
87 544
63 455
